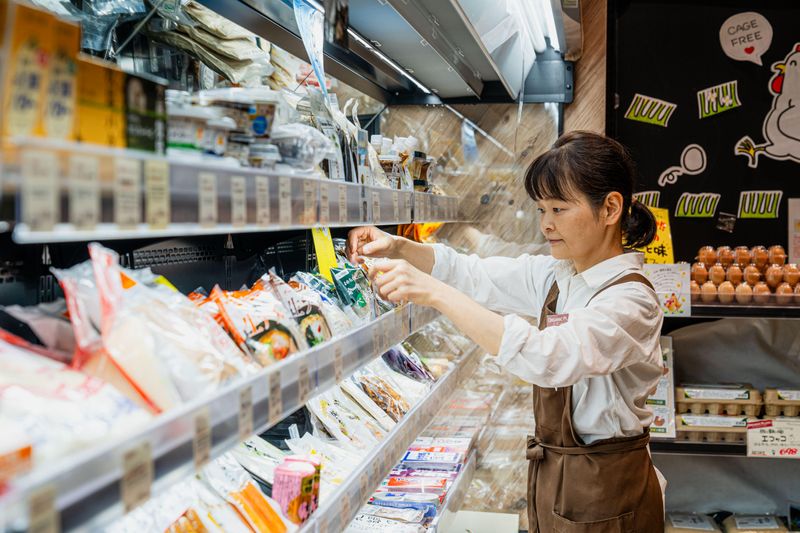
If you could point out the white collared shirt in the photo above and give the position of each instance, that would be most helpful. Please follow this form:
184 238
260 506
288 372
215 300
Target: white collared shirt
607 350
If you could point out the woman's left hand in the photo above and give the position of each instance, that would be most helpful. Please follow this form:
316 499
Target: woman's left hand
397 281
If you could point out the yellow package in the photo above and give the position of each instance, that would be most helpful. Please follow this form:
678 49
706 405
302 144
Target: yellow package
58 118
100 118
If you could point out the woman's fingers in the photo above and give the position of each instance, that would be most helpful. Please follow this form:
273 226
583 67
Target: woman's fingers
391 285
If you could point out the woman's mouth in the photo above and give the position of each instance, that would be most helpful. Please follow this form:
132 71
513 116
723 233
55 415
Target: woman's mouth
554 242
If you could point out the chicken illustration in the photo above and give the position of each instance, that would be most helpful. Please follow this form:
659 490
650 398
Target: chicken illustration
782 125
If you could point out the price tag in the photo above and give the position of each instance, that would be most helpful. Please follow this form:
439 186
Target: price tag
275 398
407 200
42 514
262 201
84 191
405 321
376 339
343 215
309 203
376 206
127 193
324 204
396 205
779 438
429 208
245 413
208 211
364 482
238 201
201 444
40 190
137 476
303 381
156 187
345 515
285 201
338 363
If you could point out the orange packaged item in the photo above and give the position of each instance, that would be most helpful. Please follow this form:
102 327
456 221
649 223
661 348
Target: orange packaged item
293 489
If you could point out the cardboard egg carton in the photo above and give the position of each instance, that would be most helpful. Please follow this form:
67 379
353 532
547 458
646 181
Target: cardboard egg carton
730 400
712 428
754 524
689 523
782 402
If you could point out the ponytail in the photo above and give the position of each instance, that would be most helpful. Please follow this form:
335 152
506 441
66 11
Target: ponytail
639 227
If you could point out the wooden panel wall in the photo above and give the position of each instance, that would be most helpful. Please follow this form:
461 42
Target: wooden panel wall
588 111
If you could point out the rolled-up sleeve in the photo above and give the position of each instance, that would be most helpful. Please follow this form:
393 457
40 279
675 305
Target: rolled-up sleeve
619 327
506 285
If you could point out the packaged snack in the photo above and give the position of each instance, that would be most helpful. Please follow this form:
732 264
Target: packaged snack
259 458
304 306
350 293
433 459
49 322
383 394
337 462
293 489
342 420
411 516
407 362
317 464
428 503
365 402
753 524
416 484
366 523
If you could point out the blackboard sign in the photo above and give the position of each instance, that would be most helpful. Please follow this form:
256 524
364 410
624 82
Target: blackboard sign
707 98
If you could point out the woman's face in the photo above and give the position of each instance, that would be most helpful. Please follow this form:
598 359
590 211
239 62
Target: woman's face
572 227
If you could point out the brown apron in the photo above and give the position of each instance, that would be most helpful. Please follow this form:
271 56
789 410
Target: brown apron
609 486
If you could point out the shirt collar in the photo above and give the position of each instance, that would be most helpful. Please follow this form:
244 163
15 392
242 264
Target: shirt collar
603 272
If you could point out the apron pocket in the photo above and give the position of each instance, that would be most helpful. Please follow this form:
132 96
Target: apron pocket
619 524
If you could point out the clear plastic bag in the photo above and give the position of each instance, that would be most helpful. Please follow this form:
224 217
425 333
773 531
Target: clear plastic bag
301 146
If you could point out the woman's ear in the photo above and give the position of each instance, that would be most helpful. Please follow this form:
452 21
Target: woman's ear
613 208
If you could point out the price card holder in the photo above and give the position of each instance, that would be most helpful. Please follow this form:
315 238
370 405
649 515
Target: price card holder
285 201
396 206
238 201
405 321
262 201
324 204
376 207
777 438
245 413
84 191
429 207
156 187
303 381
363 482
309 202
407 199
40 189
344 216
42 514
201 443
127 192
376 339
207 208
338 363
137 476
345 513
275 398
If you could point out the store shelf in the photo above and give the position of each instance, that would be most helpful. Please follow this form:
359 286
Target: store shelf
87 485
455 497
768 310
682 447
343 505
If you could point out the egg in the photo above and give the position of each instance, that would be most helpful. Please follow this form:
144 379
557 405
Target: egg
791 274
708 292
735 275
761 293
725 256
783 294
695 290
726 292
744 293
717 274
741 256
777 255
752 275
699 273
760 256
774 276
707 255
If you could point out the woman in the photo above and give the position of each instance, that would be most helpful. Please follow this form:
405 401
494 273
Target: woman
595 355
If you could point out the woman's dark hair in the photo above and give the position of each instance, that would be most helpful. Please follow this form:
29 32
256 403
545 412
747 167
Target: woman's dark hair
593 165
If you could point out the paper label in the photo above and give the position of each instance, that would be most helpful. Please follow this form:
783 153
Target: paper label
127 193
303 381
338 363
262 201
343 214
324 204
557 320
790 395
346 513
285 201
238 201
156 186
673 287
208 212
309 203
84 191
42 514
364 483
376 206
376 339
429 207
323 248
275 398
714 421
245 413
779 438
716 394
396 206
756 522
691 521
40 190
137 476
201 444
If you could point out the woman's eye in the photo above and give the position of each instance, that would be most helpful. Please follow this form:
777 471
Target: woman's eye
540 210
557 210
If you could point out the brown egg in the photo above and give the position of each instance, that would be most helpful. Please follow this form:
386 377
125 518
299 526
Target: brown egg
744 293
734 274
742 256
760 256
774 276
791 274
797 294
699 273
707 255
761 293
725 256
717 274
783 294
695 290
777 255
752 275
726 292
708 292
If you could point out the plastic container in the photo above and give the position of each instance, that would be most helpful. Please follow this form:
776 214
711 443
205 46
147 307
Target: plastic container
232 103
264 155
239 147
186 126
393 169
301 146
215 137
265 108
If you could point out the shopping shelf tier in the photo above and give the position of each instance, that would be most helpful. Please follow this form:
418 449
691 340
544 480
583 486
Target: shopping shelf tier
69 192
455 498
769 310
87 489
682 447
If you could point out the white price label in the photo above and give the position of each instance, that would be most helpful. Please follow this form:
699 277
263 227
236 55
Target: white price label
137 476
429 207
779 438
156 187
324 204
691 521
345 515
238 201
84 191
338 363
207 208
245 413
405 321
396 206
376 206
262 201
127 192
309 202
376 339
285 201
42 514
40 190
201 444
407 201
303 381
343 215
275 398
364 482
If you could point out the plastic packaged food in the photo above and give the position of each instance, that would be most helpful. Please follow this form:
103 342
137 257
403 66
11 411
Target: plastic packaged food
49 322
726 292
753 524
707 255
761 293
735 275
259 458
717 274
187 127
760 257
689 523
725 256
301 146
784 294
383 394
744 293
293 490
305 307
337 461
336 415
773 276
699 273
239 147
316 463
264 155
358 395
408 363
428 503
215 135
777 255
367 523
752 275
791 275
742 256
350 293
708 292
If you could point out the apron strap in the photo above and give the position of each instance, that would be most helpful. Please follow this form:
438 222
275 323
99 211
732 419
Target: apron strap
549 307
634 276
535 451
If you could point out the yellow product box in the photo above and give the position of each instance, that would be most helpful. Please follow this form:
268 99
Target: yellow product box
100 115
58 118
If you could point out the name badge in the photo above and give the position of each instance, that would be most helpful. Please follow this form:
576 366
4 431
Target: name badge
557 320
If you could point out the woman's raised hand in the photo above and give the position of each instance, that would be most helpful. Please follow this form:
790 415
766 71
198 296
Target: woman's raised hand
369 241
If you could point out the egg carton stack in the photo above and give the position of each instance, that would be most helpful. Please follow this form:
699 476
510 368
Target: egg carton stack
781 402
716 413
691 522
744 276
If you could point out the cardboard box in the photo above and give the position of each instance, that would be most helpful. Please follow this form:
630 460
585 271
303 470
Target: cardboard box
100 103
60 104
145 113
